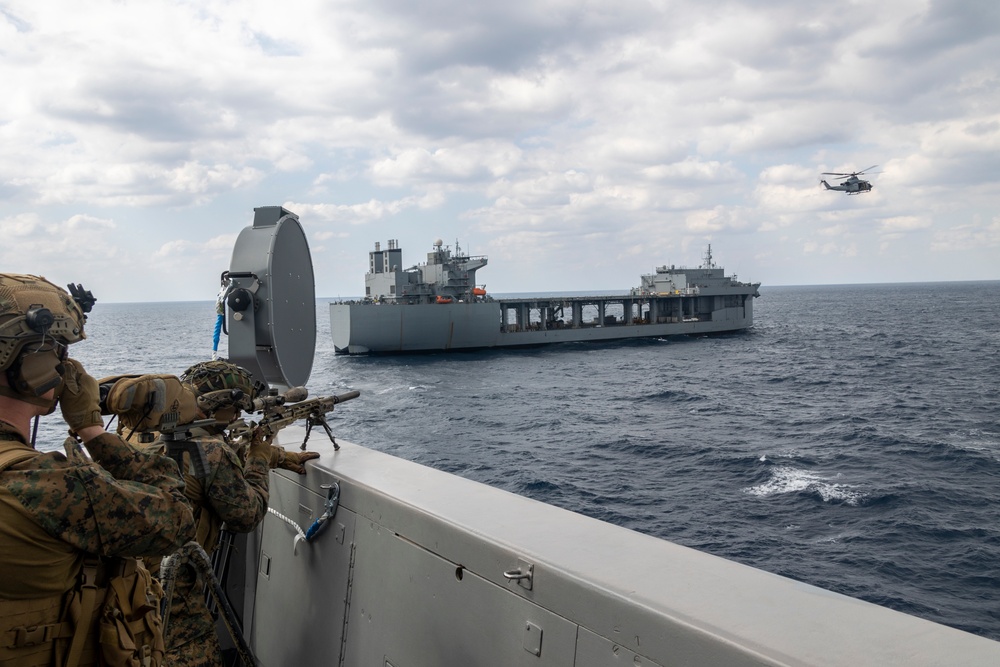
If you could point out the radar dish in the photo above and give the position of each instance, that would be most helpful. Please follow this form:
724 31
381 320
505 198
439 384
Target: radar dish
271 313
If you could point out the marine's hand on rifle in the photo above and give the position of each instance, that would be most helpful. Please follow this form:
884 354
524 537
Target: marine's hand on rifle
260 446
278 457
294 461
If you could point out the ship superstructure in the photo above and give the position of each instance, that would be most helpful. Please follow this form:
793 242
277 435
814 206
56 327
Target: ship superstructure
437 306
444 278
673 280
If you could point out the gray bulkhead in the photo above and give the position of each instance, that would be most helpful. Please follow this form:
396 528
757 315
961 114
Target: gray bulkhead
411 573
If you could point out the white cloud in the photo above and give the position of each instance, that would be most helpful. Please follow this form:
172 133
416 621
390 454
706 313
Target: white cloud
358 214
21 225
971 236
902 224
482 162
173 249
586 130
716 220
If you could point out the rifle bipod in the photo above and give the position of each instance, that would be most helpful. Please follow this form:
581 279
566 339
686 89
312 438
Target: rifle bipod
311 421
194 555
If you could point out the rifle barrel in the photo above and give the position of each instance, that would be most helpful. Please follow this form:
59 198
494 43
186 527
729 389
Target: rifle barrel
346 397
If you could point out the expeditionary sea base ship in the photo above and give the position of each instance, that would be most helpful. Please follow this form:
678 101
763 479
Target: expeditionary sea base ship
437 306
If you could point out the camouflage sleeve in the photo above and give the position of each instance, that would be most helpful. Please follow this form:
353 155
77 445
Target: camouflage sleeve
133 507
238 493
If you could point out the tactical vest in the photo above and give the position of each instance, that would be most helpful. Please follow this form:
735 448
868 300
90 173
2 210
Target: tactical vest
191 460
111 617
194 468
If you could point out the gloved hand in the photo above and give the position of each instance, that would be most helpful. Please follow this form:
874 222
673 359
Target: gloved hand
79 397
277 457
260 446
294 461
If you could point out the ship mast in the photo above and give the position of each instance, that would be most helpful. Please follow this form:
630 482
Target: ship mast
709 264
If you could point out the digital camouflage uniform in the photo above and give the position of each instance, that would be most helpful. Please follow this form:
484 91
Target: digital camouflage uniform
71 589
221 489
54 510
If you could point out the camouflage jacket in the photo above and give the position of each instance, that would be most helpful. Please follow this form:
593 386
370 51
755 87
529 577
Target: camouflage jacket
221 489
219 485
54 509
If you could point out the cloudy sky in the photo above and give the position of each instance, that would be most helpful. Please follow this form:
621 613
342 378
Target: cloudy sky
577 143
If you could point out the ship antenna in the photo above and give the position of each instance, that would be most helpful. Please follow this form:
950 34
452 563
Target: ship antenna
708 258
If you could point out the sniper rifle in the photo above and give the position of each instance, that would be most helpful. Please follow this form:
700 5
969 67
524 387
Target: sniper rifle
281 410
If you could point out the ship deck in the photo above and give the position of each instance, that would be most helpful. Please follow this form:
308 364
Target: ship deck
540 313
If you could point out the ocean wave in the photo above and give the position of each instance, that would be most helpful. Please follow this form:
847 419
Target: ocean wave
539 487
669 396
786 479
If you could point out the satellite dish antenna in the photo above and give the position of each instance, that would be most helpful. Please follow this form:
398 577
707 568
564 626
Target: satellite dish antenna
271 302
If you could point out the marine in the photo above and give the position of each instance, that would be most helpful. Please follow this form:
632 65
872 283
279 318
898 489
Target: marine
225 487
72 591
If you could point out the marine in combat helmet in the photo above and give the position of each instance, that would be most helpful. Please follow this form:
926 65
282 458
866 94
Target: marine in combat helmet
227 488
71 525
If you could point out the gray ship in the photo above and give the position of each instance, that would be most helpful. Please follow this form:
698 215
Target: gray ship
438 306
415 567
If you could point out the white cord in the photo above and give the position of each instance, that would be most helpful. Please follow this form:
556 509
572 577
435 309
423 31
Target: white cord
288 521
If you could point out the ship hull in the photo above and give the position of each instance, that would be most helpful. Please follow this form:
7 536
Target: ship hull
360 328
366 328
423 568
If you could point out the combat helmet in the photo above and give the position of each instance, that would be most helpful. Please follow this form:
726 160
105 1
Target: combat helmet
208 378
39 318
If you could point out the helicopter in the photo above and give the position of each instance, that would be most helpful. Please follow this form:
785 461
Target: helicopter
852 185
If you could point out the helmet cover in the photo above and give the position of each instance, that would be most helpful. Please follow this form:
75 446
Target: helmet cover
209 376
33 310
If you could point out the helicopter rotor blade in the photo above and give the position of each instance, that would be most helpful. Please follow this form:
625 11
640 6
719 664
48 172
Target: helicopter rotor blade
852 173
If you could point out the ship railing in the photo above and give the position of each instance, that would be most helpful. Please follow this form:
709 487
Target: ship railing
684 291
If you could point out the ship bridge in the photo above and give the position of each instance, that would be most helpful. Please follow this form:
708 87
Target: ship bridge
445 277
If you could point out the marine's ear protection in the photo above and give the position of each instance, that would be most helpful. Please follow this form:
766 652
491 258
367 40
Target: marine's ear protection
37 369
37 372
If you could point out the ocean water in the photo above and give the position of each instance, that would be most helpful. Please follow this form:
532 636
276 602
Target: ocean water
849 440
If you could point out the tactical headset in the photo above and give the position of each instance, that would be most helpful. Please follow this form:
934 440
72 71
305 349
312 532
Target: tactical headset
37 323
